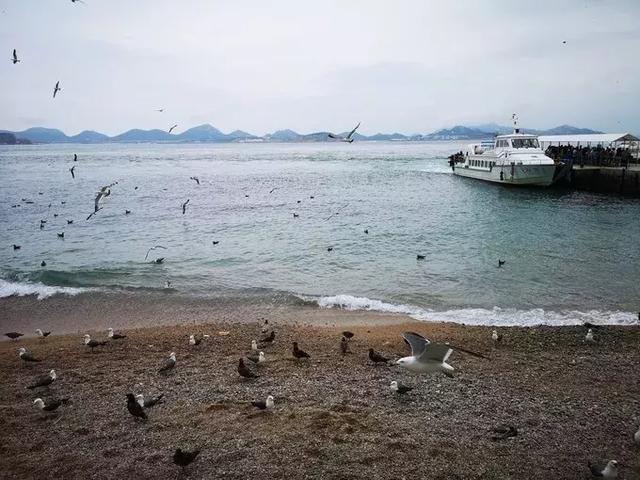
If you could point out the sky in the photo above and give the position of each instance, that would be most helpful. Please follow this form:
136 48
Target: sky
404 66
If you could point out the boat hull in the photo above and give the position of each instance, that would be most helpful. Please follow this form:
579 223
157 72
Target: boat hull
532 175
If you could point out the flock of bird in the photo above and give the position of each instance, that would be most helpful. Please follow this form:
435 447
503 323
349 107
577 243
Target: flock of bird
426 358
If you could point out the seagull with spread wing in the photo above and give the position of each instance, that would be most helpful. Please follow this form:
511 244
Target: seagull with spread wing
171 129
56 89
15 57
348 138
153 248
184 206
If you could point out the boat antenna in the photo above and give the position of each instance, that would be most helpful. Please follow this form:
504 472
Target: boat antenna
514 117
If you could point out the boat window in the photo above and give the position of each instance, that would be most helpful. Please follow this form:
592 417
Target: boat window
525 143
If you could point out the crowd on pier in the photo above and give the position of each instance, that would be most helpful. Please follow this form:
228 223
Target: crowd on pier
598 156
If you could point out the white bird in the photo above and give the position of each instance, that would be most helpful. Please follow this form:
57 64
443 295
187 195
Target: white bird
348 138
427 357
169 363
609 471
254 345
636 436
194 341
495 336
589 337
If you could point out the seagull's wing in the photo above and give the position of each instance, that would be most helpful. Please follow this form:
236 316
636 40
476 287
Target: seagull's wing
417 343
331 135
353 131
15 55
153 248
436 351
97 201
92 214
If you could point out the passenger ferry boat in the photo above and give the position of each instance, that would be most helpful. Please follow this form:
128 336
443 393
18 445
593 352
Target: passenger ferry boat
514 159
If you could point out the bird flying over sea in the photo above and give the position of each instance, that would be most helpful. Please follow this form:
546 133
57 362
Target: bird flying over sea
15 57
56 89
348 138
73 175
169 363
184 206
153 248
27 356
171 129
43 380
196 179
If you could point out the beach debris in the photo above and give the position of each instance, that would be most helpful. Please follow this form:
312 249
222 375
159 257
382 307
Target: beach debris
56 89
72 170
43 380
267 404
297 353
51 405
169 363
15 58
13 335
42 334
183 458
427 357
114 335
93 343
376 358
495 336
610 470
502 432
27 356
589 337
195 341
348 138
171 129
153 248
501 263
151 402
223 333
184 206
256 357
195 179
134 407
245 371
399 388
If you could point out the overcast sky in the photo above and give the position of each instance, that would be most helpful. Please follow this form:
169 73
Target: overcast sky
259 66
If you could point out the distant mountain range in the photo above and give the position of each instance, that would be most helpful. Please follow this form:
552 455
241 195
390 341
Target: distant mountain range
208 134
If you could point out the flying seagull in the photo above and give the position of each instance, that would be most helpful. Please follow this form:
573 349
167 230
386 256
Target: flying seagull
73 175
183 458
13 335
27 356
75 157
114 336
245 371
15 57
160 110
50 406
427 357
93 343
495 336
56 89
376 357
134 407
153 248
44 380
256 357
171 129
184 206
338 212
196 179
169 363
42 334
93 213
348 138
501 262
399 388
297 353
264 404
150 402
610 470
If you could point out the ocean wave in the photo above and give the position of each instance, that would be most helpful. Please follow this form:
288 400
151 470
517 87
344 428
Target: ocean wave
496 316
18 289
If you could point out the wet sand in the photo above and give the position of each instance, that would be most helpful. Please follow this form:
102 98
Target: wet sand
335 416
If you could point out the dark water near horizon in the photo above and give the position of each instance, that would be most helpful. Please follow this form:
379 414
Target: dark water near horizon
570 256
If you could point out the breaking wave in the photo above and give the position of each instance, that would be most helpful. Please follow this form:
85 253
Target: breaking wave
19 289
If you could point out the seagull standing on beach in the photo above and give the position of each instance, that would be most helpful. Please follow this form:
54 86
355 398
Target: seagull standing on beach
344 346
134 407
399 388
169 363
427 357
15 57
589 338
254 346
27 356
610 470
495 336
265 327
93 343
50 406
348 138
193 341
267 404
56 89
44 380
114 336
40 333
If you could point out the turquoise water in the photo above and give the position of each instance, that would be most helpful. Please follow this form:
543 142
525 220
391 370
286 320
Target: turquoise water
570 256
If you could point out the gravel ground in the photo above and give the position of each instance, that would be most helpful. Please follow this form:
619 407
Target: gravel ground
335 416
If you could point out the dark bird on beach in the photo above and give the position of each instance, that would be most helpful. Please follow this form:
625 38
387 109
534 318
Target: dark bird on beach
169 363
171 129
348 138
16 247
591 325
75 157
56 89
502 432
150 402
127 212
297 353
69 222
348 335
27 356
13 335
245 371
376 357
265 327
196 179
61 235
42 334
153 248
73 175
113 335
344 346
184 206
93 343
43 380
501 262
215 242
15 57
329 249
399 388
183 458
420 257
267 404
134 407
158 261
270 338
610 470
51 405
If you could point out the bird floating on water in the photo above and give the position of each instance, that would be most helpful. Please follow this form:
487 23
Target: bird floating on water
56 89
134 407
72 169
42 334
348 138
267 404
420 257
15 57
501 262
169 363
43 380
399 388
113 335
69 222
27 356
610 470
93 343
75 157
16 247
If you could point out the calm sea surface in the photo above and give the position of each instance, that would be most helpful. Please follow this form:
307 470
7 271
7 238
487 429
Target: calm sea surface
570 256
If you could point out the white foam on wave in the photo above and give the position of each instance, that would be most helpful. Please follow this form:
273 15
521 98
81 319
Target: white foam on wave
15 289
507 317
